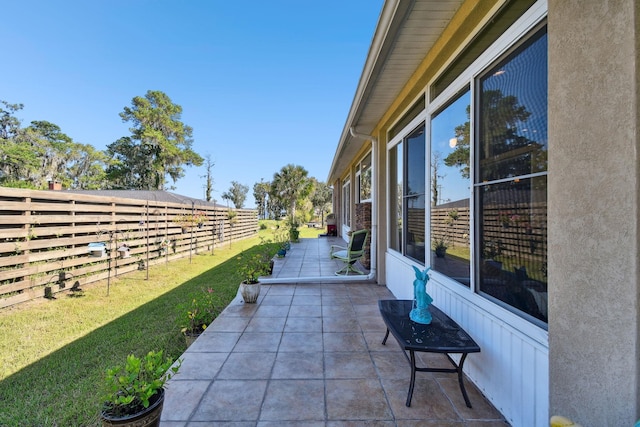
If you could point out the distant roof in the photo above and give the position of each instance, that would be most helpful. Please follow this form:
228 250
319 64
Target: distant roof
154 195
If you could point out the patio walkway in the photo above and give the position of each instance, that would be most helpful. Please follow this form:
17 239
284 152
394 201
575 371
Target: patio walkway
310 354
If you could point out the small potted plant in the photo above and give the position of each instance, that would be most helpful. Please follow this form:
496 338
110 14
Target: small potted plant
268 251
135 391
184 221
440 246
199 218
282 242
252 268
197 313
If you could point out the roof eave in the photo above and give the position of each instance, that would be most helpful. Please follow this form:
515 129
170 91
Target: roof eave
372 62
380 84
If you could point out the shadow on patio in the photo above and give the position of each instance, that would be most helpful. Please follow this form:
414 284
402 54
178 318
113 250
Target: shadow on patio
311 354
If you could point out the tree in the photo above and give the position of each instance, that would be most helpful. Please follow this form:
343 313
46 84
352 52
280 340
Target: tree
503 152
290 185
209 185
55 149
321 198
436 158
18 158
9 124
261 196
128 167
31 156
237 194
86 170
159 145
461 155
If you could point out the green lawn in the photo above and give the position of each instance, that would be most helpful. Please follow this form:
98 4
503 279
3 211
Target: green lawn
53 353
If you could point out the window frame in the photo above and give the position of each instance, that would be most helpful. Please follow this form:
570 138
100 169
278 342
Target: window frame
401 137
346 205
359 178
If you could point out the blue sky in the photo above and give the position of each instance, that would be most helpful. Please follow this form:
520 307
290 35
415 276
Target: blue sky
263 84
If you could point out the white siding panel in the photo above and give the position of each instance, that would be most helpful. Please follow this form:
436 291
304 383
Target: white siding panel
512 369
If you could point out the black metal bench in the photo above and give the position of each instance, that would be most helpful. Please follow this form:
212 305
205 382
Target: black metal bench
442 335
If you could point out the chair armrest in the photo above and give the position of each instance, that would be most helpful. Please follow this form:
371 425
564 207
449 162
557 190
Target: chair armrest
335 248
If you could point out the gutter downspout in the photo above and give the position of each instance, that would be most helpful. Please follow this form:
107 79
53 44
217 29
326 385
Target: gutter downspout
374 231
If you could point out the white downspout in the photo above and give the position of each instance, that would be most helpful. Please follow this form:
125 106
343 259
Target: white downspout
374 230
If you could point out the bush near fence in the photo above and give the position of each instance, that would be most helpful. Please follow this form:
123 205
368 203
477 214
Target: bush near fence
46 233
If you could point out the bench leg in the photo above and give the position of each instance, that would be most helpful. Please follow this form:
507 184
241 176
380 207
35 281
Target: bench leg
460 381
384 341
413 377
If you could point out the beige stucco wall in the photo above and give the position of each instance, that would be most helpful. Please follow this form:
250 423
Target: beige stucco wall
594 211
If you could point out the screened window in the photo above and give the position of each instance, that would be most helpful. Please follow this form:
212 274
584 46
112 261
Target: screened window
488 178
511 185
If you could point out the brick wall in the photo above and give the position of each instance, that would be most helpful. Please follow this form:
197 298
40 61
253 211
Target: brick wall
363 220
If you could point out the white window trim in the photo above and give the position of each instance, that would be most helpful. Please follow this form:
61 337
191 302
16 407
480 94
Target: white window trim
410 127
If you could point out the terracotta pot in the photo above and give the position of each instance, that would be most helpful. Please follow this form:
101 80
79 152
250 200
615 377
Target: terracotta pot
250 292
149 417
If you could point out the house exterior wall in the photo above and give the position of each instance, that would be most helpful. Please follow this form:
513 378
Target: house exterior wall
594 211
513 368
587 365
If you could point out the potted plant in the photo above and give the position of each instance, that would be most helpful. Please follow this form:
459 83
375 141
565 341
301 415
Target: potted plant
199 218
440 246
135 391
184 220
294 233
197 313
282 242
251 269
268 251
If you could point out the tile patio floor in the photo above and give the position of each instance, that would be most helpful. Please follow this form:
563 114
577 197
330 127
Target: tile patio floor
310 354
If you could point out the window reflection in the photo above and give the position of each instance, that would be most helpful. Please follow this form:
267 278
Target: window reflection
511 192
513 114
513 241
365 178
450 190
414 202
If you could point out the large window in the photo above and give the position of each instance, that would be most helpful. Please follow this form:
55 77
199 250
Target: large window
488 178
407 195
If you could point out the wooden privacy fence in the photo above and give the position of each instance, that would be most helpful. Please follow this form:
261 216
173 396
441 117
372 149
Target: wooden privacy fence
51 241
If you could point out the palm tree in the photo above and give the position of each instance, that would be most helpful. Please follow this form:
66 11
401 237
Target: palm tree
290 185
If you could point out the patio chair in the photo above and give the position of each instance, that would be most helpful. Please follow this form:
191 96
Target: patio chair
352 253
